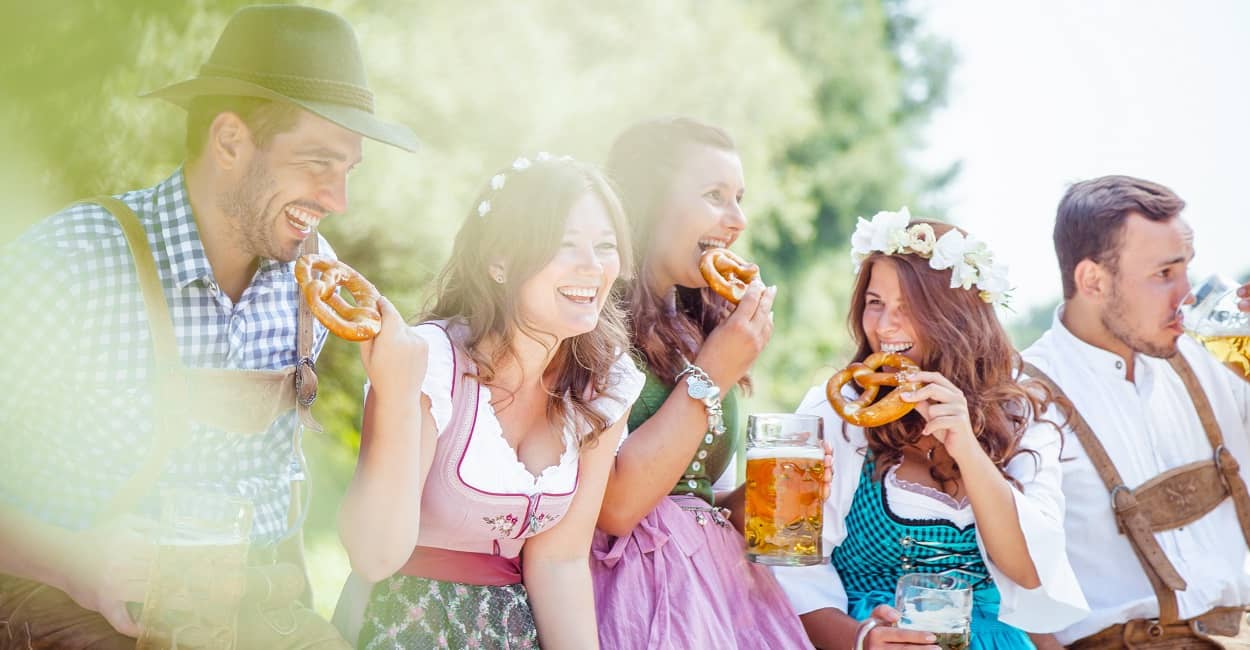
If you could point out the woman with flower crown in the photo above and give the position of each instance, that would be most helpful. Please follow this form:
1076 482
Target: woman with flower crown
967 484
493 444
669 562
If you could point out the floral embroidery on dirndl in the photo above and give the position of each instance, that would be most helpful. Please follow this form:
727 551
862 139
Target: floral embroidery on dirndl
410 612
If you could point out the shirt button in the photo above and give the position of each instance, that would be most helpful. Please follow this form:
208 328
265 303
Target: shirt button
692 484
695 466
1119 365
708 439
702 454
212 288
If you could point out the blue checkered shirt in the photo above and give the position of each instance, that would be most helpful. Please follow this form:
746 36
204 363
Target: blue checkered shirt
76 357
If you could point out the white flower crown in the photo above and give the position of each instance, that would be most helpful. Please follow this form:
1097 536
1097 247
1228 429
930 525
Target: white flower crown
970 260
520 164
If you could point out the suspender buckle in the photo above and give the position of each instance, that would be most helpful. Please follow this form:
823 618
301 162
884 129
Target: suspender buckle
305 375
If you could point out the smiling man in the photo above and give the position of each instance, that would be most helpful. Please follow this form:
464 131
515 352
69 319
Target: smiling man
167 347
1158 516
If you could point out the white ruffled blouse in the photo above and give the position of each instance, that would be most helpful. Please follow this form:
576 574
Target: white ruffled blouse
491 463
1057 603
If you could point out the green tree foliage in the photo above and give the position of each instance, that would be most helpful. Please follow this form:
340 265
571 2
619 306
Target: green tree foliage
825 98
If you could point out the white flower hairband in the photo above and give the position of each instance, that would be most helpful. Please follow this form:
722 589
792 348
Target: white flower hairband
520 164
970 260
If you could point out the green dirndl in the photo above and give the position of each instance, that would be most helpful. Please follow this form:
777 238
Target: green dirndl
880 547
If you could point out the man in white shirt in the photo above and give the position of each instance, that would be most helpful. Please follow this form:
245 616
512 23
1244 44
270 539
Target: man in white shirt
1161 559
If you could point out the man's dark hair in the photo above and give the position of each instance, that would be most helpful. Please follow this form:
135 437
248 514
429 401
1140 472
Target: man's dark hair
1091 216
264 118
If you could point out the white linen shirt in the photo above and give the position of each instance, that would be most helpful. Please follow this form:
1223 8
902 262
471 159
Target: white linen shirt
1056 603
1147 428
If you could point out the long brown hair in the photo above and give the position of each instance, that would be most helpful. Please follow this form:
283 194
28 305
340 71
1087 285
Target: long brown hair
964 341
642 162
522 230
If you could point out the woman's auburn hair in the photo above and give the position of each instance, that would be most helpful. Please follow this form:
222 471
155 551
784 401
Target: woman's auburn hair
642 162
964 341
522 231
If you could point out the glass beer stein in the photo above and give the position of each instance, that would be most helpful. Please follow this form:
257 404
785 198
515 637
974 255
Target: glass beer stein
785 472
940 603
197 579
1213 319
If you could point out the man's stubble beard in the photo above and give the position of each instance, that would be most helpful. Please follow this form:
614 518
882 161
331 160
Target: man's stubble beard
1115 320
251 227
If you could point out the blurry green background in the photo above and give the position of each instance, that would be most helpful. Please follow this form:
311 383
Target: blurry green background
825 98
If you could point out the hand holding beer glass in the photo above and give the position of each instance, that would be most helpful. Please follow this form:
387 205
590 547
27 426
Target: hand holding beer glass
785 481
197 579
1215 319
940 603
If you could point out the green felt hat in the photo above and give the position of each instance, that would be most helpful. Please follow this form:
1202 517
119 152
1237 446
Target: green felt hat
301 55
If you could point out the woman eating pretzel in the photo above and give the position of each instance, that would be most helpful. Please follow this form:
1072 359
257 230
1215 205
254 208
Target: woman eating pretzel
669 567
493 445
958 474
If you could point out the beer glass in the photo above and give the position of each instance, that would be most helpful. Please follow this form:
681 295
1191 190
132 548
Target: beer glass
197 578
785 474
1213 319
940 603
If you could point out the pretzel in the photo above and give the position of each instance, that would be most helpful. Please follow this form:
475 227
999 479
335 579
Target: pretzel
359 323
863 412
726 273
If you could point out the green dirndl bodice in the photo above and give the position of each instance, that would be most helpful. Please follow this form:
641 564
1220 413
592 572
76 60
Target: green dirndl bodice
715 451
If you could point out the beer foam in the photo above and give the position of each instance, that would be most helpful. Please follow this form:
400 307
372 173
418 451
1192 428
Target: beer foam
184 539
946 619
807 453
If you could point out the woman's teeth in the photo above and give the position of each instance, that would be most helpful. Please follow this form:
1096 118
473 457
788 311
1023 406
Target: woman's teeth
711 243
581 295
895 348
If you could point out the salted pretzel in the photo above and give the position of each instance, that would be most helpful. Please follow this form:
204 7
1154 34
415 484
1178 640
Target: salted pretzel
726 273
863 412
320 277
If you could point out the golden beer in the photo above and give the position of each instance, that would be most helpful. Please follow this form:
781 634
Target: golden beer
193 596
783 505
1232 351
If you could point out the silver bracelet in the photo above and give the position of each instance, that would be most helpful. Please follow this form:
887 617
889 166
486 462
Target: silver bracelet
701 387
864 629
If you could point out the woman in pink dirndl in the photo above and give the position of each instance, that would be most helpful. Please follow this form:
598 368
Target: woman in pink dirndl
669 566
485 451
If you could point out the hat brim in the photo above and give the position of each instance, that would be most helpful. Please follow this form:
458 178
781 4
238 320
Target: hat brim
352 119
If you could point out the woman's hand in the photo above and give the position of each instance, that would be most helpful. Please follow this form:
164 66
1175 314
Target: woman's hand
945 410
731 348
883 634
395 360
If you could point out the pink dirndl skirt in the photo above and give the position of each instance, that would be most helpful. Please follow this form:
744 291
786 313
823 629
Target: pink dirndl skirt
676 583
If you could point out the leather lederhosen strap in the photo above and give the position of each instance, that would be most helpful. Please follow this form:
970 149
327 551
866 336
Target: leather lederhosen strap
1196 632
1174 498
201 394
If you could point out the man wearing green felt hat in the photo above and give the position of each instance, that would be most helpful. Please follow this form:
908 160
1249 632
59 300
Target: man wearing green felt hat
168 368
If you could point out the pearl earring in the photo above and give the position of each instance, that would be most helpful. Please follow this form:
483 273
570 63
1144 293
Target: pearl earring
499 278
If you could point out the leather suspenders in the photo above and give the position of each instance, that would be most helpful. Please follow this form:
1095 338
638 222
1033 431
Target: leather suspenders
173 384
1172 499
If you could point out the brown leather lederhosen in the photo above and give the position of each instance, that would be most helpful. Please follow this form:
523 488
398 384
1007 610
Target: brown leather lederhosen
1170 500
238 401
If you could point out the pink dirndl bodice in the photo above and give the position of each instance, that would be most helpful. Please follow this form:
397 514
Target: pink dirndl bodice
467 534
